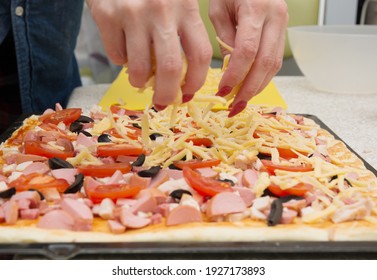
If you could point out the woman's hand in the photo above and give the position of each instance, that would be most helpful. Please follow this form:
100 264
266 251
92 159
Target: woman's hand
256 30
137 32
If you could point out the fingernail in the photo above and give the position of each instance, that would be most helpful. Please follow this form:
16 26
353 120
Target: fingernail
224 91
237 108
160 107
187 98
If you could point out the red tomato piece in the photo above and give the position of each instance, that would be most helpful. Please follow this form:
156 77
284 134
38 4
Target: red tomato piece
38 181
112 191
66 116
119 110
114 150
104 170
200 141
42 149
204 186
271 167
197 163
299 190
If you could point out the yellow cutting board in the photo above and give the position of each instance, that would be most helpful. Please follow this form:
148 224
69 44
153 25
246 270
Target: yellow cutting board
121 91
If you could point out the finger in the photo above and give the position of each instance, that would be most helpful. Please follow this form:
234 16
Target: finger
115 45
278 63
198 51
139 55
265 64
168 64
246 47
223 24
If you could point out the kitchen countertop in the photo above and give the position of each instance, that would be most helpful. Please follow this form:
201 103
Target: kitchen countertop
352 117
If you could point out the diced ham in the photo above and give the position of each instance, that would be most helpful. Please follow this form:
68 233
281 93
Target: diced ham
225 203
51 194
160 178
57 219
85 140
256 214
246 194
156 193
67 174
116 178
31 196
156 219
127 202
175 174
130 220
137 180
36 167
29 214
115 227
249 178
146 203
20 158
207 172
288 216
353 212
183 214
3 178
128 159
81 213
295 204
23 203
106 209
108 160
10 209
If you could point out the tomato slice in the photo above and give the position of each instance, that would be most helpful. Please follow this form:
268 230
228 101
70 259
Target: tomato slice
39 148
286 153
38 181
200 141
299 190
66 116
204 186
119 110
114 150
112 191
271 167
104 170
197 163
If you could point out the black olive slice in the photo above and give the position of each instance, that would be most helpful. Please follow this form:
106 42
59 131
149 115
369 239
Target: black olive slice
76 185
154 136
227 181
276 213
172 166
104 138
264 156
177 194
85 133
287 198
139 161
151 172
8 193
76 127
336 177
57 163
84 119
133 117
136 125
39 193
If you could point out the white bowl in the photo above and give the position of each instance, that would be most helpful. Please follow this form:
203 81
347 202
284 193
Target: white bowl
339 59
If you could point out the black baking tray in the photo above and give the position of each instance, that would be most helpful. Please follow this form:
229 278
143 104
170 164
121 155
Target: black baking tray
289 250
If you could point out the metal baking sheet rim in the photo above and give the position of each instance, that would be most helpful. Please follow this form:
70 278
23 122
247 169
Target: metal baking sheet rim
196 250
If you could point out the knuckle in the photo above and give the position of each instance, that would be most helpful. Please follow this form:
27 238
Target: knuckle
277 65
171 65
268 62
249 48
138 72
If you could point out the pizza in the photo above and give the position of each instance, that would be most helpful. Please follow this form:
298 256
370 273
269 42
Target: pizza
186 173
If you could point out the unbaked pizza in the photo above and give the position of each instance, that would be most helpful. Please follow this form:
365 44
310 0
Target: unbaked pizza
184 173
